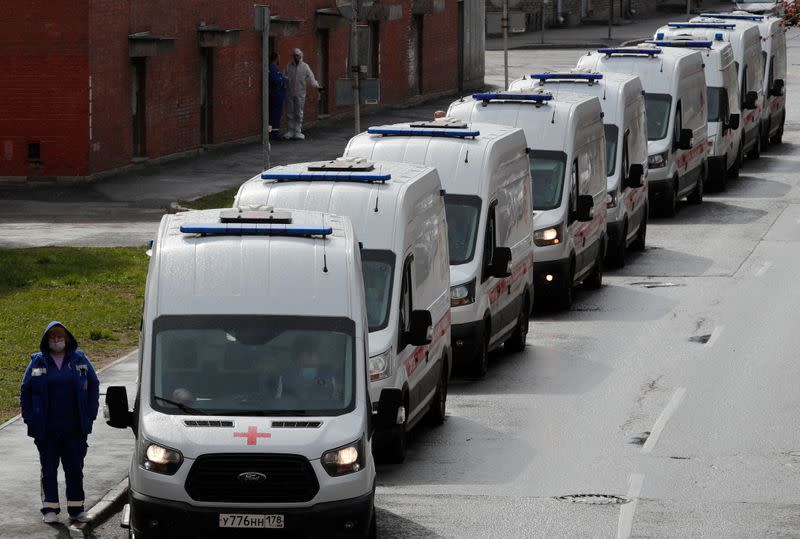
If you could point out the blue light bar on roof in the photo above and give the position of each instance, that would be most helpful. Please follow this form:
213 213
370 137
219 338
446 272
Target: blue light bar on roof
733 16
695 44
567 76
326 176
660 35
415 132
250 229
721 25
512 97
629 51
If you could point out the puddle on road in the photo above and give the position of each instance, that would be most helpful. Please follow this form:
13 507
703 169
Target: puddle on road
701 339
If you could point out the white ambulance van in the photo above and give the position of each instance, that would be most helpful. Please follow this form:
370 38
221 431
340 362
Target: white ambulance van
566 148
724 131
762 7
625 123
677 129
773 54
485 174
252 409
746 43
398 215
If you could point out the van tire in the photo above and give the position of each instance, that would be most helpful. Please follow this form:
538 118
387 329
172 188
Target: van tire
616 254
765 136
567 294
517 341
755 151
437 412
641 236
777 138
669 206
372 531
696 197
594 281
395 451
737 165
480 362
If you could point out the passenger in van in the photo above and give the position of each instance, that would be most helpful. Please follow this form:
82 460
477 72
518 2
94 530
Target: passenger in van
313 379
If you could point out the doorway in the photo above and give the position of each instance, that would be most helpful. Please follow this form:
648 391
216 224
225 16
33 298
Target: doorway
206 95
323 45
138 106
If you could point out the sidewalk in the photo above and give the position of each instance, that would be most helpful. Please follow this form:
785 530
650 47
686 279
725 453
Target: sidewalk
596 35
106 465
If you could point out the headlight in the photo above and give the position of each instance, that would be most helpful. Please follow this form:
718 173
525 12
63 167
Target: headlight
344 460
462 294
380 366
156 458
611 200
658 160
547 236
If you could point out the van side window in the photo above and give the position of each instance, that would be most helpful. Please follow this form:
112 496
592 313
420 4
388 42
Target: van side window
573 191
489 241
770 72
625 155
743 91
406 303
676 134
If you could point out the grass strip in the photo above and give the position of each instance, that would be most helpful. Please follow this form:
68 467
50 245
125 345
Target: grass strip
96 292
223 199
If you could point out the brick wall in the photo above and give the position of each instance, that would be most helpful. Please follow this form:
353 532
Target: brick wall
44 87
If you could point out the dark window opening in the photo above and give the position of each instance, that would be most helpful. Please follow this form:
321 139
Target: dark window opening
34 151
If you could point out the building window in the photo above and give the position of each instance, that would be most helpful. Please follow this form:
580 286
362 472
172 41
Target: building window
34 151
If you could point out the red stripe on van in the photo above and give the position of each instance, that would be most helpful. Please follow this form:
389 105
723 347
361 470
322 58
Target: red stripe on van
421 352
504 285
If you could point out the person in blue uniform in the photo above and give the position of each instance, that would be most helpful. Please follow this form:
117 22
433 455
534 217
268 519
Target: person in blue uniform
59 397
277 95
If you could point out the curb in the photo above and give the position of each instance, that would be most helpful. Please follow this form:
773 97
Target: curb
551 46
102 510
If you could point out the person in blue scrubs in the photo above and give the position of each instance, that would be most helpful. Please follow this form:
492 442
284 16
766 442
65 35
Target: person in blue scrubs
59 397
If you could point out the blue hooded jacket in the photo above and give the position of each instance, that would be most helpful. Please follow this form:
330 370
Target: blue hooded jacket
33 392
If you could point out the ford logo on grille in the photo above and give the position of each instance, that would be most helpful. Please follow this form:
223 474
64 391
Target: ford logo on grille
252 478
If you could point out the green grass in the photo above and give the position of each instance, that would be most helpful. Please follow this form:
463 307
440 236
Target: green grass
96 292
223 199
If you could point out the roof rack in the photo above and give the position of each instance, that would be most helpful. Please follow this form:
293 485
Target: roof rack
680 43
720 25
423 132
252 229
343 164
589 77
441 123
734 16
500 96
263 214
629 51
326 176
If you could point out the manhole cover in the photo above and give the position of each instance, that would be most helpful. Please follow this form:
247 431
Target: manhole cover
594 499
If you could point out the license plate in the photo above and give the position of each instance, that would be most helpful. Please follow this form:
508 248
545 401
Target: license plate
230 520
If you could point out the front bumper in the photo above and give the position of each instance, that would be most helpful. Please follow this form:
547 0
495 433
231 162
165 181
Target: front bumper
614 232
558 270
658 190
155 517
717 166
465 339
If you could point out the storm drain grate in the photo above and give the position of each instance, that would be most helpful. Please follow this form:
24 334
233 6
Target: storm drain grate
594 499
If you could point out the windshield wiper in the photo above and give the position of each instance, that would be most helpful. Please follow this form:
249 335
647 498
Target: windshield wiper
181 406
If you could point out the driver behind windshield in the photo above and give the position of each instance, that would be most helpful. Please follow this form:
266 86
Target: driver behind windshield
311 378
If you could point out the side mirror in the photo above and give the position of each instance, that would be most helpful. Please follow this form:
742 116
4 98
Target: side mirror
751 100
501 262
733 122
778 87
635 175
686 140
585 208
421 332
390 405
119 416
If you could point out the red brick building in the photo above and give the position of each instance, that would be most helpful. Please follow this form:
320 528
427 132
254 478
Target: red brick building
88 86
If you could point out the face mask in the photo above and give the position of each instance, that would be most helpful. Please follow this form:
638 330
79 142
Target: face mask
309 373
57 346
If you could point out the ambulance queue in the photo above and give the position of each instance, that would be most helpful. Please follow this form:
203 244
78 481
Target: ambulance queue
289 341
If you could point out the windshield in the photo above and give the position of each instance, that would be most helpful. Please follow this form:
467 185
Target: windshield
378 270
612 134
547 174
658 108
253 365
715 97
463 214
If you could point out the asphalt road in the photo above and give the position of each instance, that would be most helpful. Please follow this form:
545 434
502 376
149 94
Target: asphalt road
673 387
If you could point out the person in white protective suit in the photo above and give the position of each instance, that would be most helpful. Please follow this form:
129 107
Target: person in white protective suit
298 75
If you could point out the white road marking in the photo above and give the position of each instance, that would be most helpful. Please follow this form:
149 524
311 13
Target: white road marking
661 422
714 336
763 269
626 512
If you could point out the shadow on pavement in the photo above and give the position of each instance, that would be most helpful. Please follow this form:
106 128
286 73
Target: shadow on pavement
391 525
752 187
718 213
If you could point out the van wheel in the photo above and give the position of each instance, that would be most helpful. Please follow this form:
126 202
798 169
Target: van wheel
697 195
566 295
755 151
641 236
777 138
595 279
395 452
765 136
480 363
669 207
737 165
517 341
616 254
437 411
372 531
